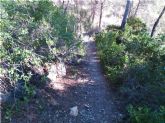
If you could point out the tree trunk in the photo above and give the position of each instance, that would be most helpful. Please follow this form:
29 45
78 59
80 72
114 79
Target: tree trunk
66 7
93 11
127 9
130 9
137 8
63 3
101 12
157 21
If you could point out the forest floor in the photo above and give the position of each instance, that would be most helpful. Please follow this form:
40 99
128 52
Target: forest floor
84 86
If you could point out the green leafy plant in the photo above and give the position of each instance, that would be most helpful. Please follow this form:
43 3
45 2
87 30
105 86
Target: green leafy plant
32 33
134 62
146 115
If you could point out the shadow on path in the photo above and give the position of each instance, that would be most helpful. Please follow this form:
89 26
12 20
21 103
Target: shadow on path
89 91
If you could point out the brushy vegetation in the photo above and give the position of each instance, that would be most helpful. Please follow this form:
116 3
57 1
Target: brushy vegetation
31 34
135 63
35 32
146 115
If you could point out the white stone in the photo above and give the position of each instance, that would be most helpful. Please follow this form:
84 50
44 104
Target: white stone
61 69
56 70
52 73
74 111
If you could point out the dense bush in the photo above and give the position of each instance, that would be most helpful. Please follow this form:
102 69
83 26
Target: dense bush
134 62
111 54
35 32
32 33
146 115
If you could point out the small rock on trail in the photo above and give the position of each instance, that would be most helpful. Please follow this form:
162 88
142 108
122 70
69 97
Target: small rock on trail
74 111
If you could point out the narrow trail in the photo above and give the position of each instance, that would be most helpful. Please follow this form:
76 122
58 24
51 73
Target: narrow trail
90 93
99 96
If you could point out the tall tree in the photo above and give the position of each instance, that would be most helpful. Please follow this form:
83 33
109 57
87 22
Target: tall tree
136 10
93 10
101 13
130 9
127 9
157 21
66 7
63 3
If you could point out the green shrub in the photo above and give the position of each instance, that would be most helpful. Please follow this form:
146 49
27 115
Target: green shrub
40 26
146 115
112 28
32 33
134 62
111 54
137 25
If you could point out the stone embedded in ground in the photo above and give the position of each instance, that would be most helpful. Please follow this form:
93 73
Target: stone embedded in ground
87 105
52 73
53 101
61 69
74 111
56 70
38 70
4 97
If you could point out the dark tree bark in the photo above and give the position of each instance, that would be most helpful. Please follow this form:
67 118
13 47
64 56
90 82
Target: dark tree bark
63 3
66 7
157 21
93 10
130 10
127 9
101 13
136 10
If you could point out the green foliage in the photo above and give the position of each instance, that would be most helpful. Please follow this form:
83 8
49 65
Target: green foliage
146 115
32 33
134 62
110 56
137 25
35 25
112 28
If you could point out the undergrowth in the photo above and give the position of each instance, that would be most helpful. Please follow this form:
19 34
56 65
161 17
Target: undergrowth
135 63
33 33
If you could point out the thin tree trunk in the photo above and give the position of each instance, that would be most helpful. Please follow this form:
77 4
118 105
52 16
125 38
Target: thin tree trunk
130 10
136 10
127 9
66 7
157 21
63 3
94 10
101 12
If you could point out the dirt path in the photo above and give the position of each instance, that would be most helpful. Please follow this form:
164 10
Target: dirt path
99 96
89 91
91 94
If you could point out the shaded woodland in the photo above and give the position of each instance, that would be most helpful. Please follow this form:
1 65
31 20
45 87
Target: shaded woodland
52 50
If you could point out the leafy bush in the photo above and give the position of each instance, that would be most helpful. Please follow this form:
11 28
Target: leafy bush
146 115
112 28
134 62
110 57
32 33
35 32
137 25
